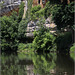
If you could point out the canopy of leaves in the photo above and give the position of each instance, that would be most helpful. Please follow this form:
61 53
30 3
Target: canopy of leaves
34 10
9 31
63 16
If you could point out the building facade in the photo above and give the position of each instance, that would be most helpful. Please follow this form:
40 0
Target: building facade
8 2
43 2
39 2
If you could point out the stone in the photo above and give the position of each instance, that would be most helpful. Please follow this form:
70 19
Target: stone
31 27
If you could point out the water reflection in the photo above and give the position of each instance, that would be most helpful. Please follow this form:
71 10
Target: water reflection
36 64
43 63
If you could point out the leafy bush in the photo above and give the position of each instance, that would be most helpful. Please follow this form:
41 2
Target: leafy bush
72 51
22 46
39 13
22 29
63 16
47 11
43 40
73 47
63 41
34 10
9 31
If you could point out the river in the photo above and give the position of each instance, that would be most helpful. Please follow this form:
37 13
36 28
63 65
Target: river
37 64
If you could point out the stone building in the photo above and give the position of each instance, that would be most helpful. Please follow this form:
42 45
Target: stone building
8 2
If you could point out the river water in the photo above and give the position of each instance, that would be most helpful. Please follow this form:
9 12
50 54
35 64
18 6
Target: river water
37 64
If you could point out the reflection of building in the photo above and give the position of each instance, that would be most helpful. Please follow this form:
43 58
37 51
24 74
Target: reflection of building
40 2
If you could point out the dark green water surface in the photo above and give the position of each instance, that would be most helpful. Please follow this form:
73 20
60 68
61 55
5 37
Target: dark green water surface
37 64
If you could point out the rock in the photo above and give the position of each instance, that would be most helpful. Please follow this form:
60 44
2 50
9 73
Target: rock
31 27
31 24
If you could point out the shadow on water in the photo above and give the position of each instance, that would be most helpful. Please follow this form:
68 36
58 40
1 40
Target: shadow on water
37 64
64 64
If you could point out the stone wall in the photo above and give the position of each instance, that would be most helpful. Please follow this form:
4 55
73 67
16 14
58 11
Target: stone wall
7 10
7 6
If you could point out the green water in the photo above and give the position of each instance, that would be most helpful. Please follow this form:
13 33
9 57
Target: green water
37 64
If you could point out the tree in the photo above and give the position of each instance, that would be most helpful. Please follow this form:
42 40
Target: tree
63 16
9 30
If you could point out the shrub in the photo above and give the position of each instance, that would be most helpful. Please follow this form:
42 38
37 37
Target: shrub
39 13
72 50
47 11
43 40
34 10
9 31
22 29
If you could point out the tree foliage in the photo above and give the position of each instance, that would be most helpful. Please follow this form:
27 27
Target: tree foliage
63 16
33 11
9 31
22 29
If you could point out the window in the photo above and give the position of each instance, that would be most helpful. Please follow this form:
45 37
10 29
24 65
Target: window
39 1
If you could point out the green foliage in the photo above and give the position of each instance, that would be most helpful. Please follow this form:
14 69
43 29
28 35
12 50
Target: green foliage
43 40
73 47
63 41
47 11
48 61
40 13
14 16
9 31
54 1
25 47
10 65
29 5
49 7
72 51
63 16
34 10
22 29
21 11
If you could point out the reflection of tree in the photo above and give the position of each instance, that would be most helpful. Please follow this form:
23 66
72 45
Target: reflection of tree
44 63
9 66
